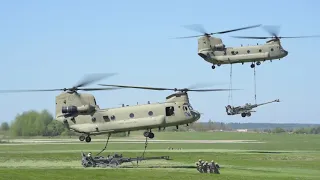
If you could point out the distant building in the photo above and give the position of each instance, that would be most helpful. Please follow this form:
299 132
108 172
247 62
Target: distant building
242 130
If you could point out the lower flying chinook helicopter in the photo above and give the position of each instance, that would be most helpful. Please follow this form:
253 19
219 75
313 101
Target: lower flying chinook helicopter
214 51
79 112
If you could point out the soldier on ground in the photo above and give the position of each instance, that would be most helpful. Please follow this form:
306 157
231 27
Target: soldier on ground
198 167
201 165
205 167
215 167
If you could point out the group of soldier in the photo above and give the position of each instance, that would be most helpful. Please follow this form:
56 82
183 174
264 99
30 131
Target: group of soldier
205 167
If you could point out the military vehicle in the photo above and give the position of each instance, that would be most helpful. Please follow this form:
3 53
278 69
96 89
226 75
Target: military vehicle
114 160
80 112
246 109
214 51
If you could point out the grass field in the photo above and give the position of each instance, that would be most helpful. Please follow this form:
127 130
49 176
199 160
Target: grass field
257 156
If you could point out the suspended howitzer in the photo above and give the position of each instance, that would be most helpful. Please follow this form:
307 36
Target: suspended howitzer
245 110
114 160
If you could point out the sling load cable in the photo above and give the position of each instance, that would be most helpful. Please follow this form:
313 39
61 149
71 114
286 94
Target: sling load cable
230 87
255 88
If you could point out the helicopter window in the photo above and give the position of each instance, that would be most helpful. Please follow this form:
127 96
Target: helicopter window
150 113
190 107
232 52
94 99
260 50
113 117
185 108
131 115
271 49
248 51
106 118
170 111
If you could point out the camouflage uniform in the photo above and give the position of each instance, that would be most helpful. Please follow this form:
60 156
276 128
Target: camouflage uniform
211 166
198 166
205 167
216 168
201 165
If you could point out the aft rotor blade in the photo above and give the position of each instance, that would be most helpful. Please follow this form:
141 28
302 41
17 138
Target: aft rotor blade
251 37
137 87
299 36
97 89
202 85
91 78
238 29
29 90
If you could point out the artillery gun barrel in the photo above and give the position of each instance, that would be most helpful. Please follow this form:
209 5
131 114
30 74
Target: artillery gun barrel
267 102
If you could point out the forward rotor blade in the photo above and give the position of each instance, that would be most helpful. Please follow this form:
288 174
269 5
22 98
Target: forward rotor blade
196 27
29 90
238 29
272 30
199 28
187 37
91 78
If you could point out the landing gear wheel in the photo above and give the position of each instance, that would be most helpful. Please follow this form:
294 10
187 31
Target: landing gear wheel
146 134
252 65
213 67
248 114
151 135
258 63
88 139
81 138
243 114
219 64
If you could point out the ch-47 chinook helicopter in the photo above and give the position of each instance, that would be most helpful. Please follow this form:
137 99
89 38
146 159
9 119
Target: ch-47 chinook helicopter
79 112
246 109
214 51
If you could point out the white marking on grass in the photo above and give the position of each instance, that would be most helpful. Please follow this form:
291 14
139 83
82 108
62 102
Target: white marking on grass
73 141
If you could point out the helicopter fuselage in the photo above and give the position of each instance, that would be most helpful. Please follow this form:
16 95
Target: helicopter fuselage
127 118
214 51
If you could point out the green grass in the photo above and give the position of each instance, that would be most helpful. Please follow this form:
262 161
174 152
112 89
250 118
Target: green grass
293 157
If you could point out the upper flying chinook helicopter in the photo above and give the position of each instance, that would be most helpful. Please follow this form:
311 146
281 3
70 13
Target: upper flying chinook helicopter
81 113
214 51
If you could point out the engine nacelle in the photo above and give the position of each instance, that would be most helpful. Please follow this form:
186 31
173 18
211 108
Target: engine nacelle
75 109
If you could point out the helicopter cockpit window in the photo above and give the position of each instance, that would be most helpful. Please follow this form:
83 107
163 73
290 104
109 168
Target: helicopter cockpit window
94 100
190 107
170 111
185 108
113 117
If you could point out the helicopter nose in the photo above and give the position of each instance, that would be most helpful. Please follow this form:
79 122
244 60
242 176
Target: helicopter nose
285 52
196 115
